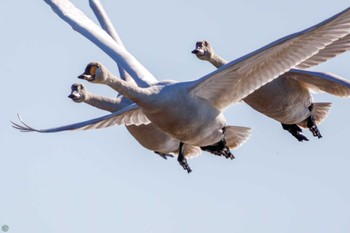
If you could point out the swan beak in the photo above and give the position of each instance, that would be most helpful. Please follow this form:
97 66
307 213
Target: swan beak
87 77
198 52
195 51
74 95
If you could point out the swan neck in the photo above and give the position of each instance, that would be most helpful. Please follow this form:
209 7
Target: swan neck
217 61
104 103
127 89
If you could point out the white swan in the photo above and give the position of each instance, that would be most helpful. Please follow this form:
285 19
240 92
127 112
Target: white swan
288 99
235 135
167 104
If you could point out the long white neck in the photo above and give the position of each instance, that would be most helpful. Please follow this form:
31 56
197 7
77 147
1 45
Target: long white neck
127 89
217 61
104 103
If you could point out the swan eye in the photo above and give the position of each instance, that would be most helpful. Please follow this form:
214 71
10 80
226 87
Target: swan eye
93 70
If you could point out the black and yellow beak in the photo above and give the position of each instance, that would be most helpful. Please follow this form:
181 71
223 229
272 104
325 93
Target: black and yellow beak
89 73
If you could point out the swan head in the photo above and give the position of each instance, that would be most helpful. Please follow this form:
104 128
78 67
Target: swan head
78 93
93 73
203 50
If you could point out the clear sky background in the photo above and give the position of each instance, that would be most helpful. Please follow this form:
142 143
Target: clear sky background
104 181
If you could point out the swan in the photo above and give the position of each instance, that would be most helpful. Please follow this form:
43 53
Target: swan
288 99
235 135
192 111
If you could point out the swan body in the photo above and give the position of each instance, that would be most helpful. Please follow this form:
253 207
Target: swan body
97 73
287 99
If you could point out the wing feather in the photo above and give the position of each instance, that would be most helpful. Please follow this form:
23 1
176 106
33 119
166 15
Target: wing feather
337 47
87 28
318 81
131 115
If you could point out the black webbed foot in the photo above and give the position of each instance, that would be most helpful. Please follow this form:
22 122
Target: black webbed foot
220 149
164 156
313 127
185 165
296 131
182 160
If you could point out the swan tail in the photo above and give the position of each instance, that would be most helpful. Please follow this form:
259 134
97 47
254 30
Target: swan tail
191 151
319 113
236 136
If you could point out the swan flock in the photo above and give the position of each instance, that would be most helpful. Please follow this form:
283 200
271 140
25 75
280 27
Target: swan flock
182 119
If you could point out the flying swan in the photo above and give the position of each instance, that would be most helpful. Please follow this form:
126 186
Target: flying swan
288 99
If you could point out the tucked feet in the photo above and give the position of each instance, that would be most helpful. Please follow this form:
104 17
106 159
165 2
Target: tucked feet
295 131
164 156
219 149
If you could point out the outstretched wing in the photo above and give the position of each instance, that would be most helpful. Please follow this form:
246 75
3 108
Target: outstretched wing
337 47
237 79
318 81
86 27
107 25
131 115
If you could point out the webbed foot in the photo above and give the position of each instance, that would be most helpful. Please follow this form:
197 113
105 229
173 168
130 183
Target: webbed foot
313 127
296 131
219 149
164 156
314 130
182 160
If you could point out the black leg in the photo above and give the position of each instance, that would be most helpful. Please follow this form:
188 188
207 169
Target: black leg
219 149
312 125
164 156
182 160
295 131
313 128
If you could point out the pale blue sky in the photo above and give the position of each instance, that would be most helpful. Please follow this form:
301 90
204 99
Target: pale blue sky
104 181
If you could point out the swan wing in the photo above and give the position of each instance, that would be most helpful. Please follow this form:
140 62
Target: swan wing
131 115
337 47
86 27
107 25
237 79
318 82
104 20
